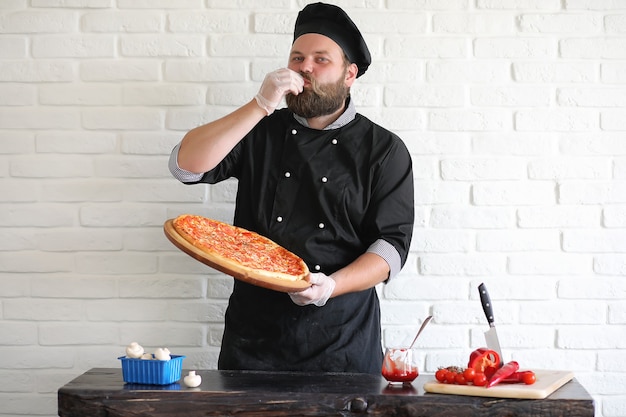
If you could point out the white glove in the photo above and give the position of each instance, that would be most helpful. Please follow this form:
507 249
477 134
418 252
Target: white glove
275 86
318 293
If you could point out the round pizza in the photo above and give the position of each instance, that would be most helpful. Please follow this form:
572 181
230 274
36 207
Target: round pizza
238 252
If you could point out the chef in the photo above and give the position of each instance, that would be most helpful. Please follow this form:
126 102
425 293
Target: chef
321 180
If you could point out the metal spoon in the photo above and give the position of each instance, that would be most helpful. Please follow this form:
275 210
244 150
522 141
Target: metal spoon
424 323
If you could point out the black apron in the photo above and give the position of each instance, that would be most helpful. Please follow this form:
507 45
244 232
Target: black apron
326 196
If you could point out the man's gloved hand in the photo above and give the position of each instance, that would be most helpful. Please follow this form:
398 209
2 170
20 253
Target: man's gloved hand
318 293
275 86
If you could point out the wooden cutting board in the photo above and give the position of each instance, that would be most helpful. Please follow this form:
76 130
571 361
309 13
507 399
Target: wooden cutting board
270 283
547 382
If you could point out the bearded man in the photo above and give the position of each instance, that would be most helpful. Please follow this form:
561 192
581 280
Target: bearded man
326 183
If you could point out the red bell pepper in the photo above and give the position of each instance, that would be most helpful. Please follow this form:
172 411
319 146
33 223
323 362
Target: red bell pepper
483 358
527 377
504 372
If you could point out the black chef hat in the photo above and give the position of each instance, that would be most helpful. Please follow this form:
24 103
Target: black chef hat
333 22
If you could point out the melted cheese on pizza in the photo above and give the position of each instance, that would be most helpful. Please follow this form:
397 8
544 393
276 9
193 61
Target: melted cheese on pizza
246 248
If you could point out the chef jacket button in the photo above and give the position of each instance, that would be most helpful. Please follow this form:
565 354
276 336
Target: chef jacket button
324 179
321 225
279 219
294 131
317 267
334 141
287 174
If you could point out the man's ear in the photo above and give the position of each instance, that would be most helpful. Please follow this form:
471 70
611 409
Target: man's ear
351 73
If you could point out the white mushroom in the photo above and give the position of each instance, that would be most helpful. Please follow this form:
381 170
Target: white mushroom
134 350
162 354
192 380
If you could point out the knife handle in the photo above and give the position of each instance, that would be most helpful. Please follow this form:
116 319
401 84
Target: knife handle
485 300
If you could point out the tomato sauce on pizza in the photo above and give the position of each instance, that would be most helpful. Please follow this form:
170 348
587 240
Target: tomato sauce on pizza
240 250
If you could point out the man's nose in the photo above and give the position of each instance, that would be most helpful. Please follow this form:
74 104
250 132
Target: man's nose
306 65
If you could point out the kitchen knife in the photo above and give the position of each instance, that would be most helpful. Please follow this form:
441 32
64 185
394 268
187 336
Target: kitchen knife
491 336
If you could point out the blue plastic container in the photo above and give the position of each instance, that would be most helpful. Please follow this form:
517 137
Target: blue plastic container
152 371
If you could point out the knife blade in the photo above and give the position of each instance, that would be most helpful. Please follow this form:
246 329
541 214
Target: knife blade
491 335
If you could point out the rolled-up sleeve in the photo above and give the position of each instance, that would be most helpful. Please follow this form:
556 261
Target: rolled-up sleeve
180 174
389 253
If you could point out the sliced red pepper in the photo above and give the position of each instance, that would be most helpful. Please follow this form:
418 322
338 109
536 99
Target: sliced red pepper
489 371
504 372
527 377
482 358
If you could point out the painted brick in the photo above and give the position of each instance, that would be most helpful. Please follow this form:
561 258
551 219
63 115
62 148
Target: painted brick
520 193
162 46
570 168
73 3
519 4
512 110
124 22
17 95
424 96
549 71
614 216
73 46
559 217
467 71
462 264
460 120
208 22
420 47
125 119
127 70
16 333
13 47
613 72
482 169
16 142
611 120
560 23
589 144
38 22
549 264
592 48
159 4
206 70
143 143
75 142
519 48
509 96
556 120
473 23
428 4
517 240
472 218
80 95
164 95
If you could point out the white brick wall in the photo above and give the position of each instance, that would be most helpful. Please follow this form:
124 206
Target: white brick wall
514 111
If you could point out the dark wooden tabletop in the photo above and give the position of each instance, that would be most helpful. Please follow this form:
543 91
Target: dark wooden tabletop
102 392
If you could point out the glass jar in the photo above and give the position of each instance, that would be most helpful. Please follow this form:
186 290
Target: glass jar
399 366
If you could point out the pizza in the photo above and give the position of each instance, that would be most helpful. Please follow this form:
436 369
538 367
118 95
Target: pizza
239 252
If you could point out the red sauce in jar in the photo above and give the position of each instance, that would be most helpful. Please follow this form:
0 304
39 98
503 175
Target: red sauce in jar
399 369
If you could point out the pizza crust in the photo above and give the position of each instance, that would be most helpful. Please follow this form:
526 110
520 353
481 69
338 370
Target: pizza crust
270 279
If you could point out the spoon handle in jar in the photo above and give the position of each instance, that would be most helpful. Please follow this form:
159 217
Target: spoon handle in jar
426 320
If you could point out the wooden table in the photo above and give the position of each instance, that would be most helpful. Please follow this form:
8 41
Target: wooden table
102 392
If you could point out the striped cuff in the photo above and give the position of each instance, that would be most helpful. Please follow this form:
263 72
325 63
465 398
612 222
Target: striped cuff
180 174
389 253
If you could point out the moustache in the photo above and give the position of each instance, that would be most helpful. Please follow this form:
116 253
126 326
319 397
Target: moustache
315 85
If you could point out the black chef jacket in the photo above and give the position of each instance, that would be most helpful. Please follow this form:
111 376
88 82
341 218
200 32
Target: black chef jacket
326 195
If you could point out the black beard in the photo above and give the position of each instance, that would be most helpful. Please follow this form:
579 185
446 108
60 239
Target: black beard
319 100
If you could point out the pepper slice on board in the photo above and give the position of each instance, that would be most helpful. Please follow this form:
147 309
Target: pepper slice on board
503 373
482 358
